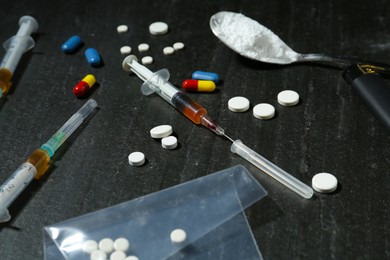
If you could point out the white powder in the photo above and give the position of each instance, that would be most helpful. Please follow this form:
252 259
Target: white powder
251 39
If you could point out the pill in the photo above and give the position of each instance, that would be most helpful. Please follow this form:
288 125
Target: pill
169 142
158 28
161 131
263 111
204 75
122 28
125 50
168 50
71 45
84 85
178 236
106 245
98 255
238 104
178 46
143 47
132 257
198 85
89 246
92 56
147 60
324 182
288 98
121 244
118 255
136 159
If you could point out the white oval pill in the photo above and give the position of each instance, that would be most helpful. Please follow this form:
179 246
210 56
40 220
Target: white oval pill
158 28
143 47
98 255
125 50
168 50
106 245
118 255
288 98
132 257
147 60
178 236
161 131
324 182
169 142
263 111
122 28
89 246
238 104
178 46
121 244
136 159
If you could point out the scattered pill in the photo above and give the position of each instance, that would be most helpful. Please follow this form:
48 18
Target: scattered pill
136 159
147 60
132 257
198 85
263 111
125 50
158 28
178 236
324 182
98 255
168 51
118 255
204 75
238 104
178 46
121 244
122 28
161 131
106 245
84 85
93 57
288 98
89 246
71 45
143 47
169 142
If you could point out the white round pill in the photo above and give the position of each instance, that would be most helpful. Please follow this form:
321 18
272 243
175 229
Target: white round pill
118 255
169 142
106 245
168 50
136 159
122 28
158 28
121 244
89 246
238 104
143 47
178 236
161 131
98 255
125 50
288 98
132 257
324 182
263 111
178 46
147 60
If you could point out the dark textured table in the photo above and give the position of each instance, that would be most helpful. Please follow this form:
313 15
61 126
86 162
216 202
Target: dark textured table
330 130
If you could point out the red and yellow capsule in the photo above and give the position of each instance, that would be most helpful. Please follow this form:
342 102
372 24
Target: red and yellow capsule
198 85
84 85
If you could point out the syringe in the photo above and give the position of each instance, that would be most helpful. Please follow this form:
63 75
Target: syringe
39 161
15 47
158 82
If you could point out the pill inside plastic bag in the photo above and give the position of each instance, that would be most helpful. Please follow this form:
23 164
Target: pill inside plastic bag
210 209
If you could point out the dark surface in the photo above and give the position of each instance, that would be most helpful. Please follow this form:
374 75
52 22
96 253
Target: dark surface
329 130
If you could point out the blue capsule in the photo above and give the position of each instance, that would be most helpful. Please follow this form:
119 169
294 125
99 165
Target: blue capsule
71 45
203 75
93 57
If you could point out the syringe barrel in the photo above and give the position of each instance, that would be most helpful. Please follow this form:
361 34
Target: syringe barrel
188 107
271 169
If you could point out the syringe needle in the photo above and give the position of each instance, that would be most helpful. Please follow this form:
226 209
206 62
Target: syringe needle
230 139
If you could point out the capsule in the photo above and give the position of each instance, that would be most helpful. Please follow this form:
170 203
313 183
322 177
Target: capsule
93 57
198 85
204 75
71 45
84 85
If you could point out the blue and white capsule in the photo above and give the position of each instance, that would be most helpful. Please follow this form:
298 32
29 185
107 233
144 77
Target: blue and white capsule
93 57
204 75
71 45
